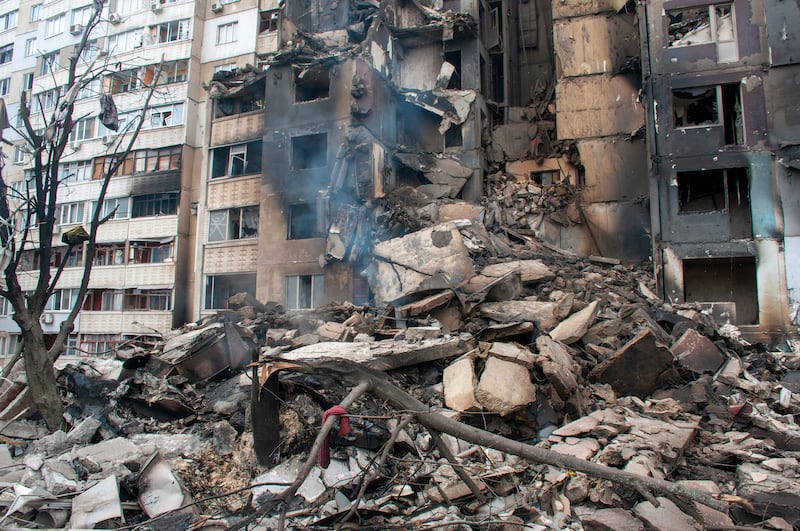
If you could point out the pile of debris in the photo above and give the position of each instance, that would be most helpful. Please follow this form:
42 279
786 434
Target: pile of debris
498 384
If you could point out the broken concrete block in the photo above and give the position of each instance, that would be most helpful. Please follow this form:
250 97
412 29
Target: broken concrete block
710 517
541 313
83 432
513 352
423 306
432 258
53 444
770 492
59 477
666 517
388 354
635 369
697 353
110 452
459 384
580 426
505 386
575 326
557 366
611 520
529 270
580 448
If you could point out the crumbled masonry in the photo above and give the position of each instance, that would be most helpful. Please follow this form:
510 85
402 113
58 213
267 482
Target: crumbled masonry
163 437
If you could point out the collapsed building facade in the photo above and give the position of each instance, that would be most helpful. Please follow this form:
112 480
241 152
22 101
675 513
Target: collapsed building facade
367 104
538 113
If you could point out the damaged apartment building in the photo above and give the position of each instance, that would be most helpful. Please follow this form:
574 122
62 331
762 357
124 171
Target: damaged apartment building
661 131
723 128
406 101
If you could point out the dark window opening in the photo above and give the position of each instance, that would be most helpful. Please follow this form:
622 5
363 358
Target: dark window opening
454 58
724 280
248 101
309 151
219 288
109 254
695 107
717 191
732 120
303 222
311 84
361 293
453 136
544 177
498 92
701 191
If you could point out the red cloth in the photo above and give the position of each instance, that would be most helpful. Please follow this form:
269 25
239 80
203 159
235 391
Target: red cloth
324 455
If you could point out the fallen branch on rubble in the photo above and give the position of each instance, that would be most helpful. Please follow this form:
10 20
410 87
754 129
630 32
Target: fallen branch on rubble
377 384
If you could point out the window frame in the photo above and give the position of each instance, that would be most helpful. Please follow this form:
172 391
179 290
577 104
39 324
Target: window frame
229 225
316 295
227 33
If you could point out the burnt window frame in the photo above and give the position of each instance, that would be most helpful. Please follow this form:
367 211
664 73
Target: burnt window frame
234 281
298 74
712 23
307 231
727 96
314 163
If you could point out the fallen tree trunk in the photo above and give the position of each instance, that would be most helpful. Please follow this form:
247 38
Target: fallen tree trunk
356 375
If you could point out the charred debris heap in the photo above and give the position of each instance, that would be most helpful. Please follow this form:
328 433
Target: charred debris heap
502 384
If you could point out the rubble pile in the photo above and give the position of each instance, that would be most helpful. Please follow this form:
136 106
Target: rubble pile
497 383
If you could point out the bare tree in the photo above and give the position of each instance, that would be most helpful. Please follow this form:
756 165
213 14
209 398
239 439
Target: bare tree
28 214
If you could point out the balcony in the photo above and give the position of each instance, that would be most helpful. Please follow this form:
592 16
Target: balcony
125 322
237 128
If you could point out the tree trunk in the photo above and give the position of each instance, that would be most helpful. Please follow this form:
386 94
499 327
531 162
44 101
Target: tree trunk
41 376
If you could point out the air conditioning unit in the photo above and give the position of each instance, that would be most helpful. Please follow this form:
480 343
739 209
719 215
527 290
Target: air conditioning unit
109 139
47 318
75 144
76 29
155 7
217 7
115 18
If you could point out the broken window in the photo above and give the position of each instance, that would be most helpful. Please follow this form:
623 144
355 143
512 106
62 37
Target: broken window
253 101
304 291
269 21
146 252
148 299
233 224
710 106
309 151
453 136
729 280
311 84
241 159
109 254
124 81
99 344
711 24
718 191
303 222
219 288
454 58
140 161
154 205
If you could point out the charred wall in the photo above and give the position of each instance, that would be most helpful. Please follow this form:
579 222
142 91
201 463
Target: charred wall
598 107
721 117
